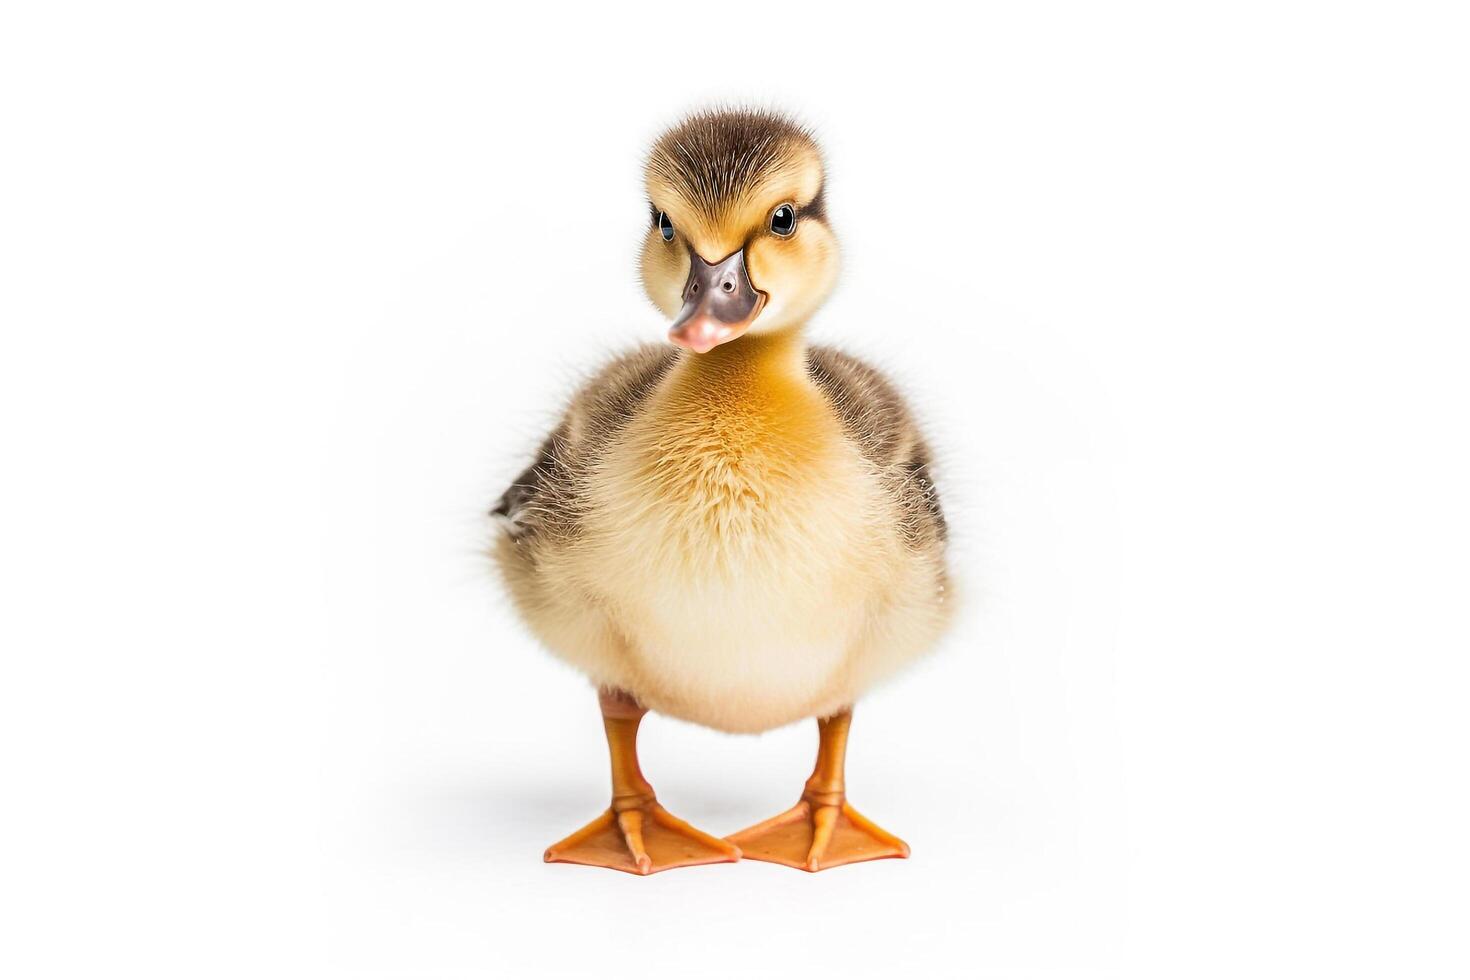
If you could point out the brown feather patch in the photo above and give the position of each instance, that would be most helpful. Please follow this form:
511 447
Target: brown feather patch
718 157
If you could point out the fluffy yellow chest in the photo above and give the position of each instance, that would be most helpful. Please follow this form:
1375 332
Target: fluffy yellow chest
733 535
724 481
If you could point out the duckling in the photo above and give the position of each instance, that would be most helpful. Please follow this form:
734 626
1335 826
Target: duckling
737 529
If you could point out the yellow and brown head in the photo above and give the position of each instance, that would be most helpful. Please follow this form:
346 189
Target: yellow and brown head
738 239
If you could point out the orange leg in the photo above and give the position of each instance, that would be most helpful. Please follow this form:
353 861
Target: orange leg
635 834
822 830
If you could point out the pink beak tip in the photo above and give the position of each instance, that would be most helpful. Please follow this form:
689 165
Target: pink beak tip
703 334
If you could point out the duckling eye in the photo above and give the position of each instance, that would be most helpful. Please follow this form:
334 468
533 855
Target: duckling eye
665 227
783 220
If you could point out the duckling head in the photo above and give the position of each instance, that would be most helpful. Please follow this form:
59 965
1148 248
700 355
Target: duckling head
738 241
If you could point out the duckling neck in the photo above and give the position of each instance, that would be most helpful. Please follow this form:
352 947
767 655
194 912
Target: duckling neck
748 366
743 405
735 428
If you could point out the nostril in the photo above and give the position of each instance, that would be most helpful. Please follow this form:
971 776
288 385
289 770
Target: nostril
696 288
727 286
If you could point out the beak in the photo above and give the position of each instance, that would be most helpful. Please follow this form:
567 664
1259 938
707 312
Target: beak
719 303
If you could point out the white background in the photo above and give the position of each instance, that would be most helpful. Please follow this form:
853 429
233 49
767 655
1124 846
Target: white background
289 292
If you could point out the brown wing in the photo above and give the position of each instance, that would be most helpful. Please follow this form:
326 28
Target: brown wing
877 419
545 496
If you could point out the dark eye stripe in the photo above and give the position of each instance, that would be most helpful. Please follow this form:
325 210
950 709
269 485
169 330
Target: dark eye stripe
816 207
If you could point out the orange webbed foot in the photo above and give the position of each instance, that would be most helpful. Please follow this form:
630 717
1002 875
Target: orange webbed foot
818 834
641 840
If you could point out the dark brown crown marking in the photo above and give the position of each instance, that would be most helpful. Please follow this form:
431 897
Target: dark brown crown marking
716 156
